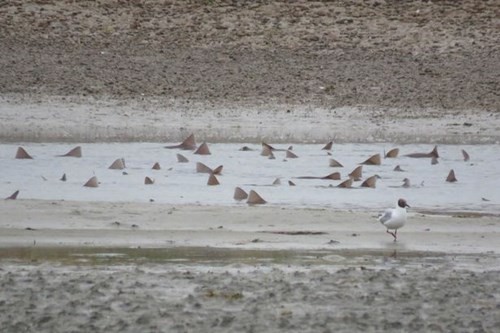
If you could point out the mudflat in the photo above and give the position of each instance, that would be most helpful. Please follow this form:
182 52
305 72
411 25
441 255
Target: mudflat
426 295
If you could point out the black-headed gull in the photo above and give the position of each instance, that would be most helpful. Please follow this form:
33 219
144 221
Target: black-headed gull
394 218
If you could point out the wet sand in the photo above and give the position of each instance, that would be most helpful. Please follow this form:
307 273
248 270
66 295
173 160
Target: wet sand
161 119
162 298
101 224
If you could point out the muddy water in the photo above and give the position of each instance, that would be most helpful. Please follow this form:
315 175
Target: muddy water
217 258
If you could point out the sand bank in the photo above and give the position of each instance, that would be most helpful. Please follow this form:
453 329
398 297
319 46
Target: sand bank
61 223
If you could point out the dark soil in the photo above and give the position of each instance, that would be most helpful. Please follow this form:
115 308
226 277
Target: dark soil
418 54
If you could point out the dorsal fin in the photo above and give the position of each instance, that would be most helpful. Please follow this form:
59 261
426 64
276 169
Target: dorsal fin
333 175
434 160
255 199
434 152
290 154
218 170
92 182
188 144
156 166
334 163
466 156
373 160
406 183
393 153
291 183
181 159
267 146
451 177
212 180
118 164
398 168
202 168
328 146
357 173
75 152
149 181
203 149
13 196
22 154
63 178
346 183
370 182
267 150
239 194
277 181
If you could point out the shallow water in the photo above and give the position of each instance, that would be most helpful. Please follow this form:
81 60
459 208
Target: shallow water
178 183
202 258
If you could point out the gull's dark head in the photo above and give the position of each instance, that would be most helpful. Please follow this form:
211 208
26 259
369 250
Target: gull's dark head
402 203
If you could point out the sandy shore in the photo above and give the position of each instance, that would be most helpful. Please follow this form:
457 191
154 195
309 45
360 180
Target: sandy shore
101 224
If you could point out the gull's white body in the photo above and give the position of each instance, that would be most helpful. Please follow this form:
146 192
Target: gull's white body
394 218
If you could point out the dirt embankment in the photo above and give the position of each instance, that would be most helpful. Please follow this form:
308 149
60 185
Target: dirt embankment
411 54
